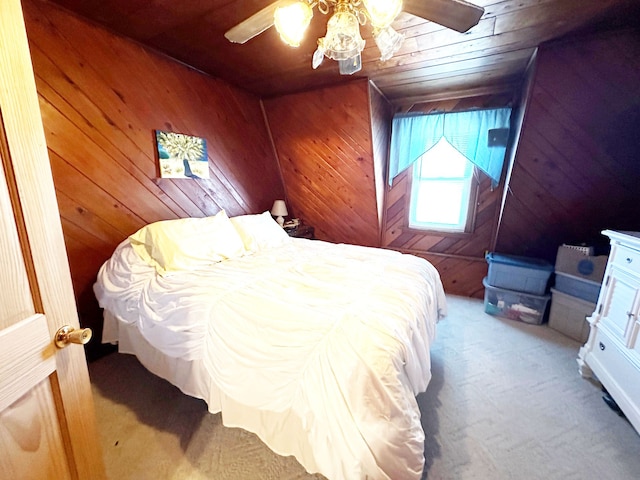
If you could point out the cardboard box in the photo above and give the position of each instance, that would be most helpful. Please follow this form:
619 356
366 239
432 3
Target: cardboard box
568 315
576 262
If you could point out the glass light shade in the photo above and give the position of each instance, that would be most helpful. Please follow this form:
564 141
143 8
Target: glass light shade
388 41
291 21
343 39
350 65
382 12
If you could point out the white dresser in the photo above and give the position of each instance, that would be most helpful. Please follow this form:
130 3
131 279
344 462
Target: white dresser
612 352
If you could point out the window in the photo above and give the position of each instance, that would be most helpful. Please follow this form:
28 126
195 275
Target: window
446 152
442 190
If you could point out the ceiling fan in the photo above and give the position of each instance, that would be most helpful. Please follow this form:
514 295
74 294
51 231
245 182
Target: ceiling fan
342 41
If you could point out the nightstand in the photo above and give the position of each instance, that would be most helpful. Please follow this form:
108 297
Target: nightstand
302 231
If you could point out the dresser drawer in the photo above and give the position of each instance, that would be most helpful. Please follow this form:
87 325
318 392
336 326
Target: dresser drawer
627 258
613 366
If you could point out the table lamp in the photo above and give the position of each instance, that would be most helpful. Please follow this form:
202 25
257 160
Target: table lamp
279 210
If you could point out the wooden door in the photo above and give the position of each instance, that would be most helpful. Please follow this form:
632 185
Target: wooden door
47 419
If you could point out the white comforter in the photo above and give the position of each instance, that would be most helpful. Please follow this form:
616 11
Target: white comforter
334 338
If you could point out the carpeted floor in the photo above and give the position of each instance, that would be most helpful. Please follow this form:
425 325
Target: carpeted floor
505 402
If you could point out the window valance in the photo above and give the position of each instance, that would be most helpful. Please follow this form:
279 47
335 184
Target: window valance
468 132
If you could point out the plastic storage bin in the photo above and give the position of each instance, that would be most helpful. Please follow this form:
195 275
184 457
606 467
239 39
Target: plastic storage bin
523 274
514 305
577 287
568 315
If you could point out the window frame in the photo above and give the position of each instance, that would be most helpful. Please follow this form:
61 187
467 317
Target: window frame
469 227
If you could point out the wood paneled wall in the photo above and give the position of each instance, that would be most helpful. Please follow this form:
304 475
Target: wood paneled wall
577 166
101 98
332 146
323 143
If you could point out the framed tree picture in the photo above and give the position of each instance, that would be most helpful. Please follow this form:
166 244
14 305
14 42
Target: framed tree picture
181 156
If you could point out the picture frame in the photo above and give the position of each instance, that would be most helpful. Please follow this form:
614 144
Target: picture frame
181 155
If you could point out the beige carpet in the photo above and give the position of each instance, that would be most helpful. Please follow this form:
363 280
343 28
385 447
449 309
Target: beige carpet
505 402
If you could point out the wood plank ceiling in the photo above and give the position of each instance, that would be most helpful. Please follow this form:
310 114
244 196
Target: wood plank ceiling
433 62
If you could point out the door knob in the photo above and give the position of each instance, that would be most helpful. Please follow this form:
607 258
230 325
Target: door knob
67 334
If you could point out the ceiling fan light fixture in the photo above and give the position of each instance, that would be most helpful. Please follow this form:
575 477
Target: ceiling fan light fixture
291 22
382 12
388 41
343 39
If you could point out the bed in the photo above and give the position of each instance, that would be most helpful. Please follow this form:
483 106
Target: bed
318 348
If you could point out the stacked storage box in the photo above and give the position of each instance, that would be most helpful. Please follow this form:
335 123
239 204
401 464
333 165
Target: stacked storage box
516 287
578 277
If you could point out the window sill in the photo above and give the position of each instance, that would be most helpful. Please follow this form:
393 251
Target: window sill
436 233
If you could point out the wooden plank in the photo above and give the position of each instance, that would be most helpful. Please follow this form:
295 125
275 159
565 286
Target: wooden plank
93 198
476 78
444 69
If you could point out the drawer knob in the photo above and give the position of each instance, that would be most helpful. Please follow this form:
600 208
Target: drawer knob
602 347
629 259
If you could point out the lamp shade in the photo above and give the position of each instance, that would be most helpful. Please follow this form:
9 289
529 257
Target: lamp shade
279 209
382 12
388 41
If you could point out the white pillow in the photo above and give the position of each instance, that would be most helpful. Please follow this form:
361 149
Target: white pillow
187 243
259 232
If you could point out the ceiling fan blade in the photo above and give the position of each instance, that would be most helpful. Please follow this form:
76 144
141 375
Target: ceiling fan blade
255 24
455 14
